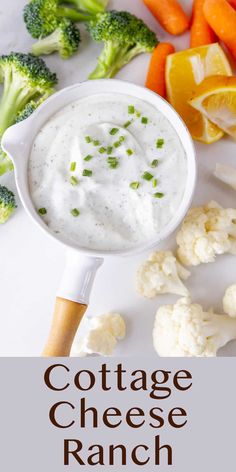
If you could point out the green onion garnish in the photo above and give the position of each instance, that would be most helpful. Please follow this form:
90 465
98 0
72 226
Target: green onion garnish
154 183
159 143
88 157
96 142
158 195
74 180
144 120
117 144
75 212
112 162
87 173
88 139
102 150
129 152
147 176
138 114
127 124
73 166
154 163
131 109
114 131
134 185
42 211
109 150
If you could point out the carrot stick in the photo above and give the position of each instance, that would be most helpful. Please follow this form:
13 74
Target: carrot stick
222 19
156 73
170 15
200 33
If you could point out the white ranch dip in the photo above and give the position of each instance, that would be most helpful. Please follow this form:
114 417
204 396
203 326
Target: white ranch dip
118 143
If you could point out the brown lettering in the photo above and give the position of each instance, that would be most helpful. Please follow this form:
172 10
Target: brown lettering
74 452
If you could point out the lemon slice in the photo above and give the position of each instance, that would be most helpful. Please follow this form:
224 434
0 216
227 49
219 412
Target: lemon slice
184 71
215 98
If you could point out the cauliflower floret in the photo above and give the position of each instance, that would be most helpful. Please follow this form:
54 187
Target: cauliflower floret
161 273
206 232
112 322
226 174
185 330
229 301
102 334
100 341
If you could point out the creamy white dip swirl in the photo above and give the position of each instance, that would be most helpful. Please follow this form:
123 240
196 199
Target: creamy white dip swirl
115 206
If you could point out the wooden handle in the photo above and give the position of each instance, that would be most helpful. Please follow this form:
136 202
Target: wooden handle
66 319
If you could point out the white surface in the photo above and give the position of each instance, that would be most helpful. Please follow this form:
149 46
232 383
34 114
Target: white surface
31 263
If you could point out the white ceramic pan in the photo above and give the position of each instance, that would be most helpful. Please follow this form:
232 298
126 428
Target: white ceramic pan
81 266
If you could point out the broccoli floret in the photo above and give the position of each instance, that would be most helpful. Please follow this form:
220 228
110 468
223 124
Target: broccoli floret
7 204
65 39
43 16
124 35
27 79
26 112
91 6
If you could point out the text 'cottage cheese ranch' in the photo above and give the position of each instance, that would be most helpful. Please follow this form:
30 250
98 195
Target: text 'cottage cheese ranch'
107 172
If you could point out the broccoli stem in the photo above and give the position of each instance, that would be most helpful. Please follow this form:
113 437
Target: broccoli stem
64 12
46 45
6 165
112 58
92 6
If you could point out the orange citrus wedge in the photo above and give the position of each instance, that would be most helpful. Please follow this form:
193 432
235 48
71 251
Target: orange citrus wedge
215 98
184 71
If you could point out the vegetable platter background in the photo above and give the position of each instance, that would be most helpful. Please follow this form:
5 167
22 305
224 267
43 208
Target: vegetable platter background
31 264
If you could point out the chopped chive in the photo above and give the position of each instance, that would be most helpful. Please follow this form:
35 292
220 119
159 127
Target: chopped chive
109 149
87 173
88 157
144 120
42 211
159 143
127 124
131 109
74 180
96 142
134 185
73 166
88 139
138 114
158 195
117 144
114 131
102 150
112 162
114 165
147 176
75 212
154 183
121 139
154 163
129 152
